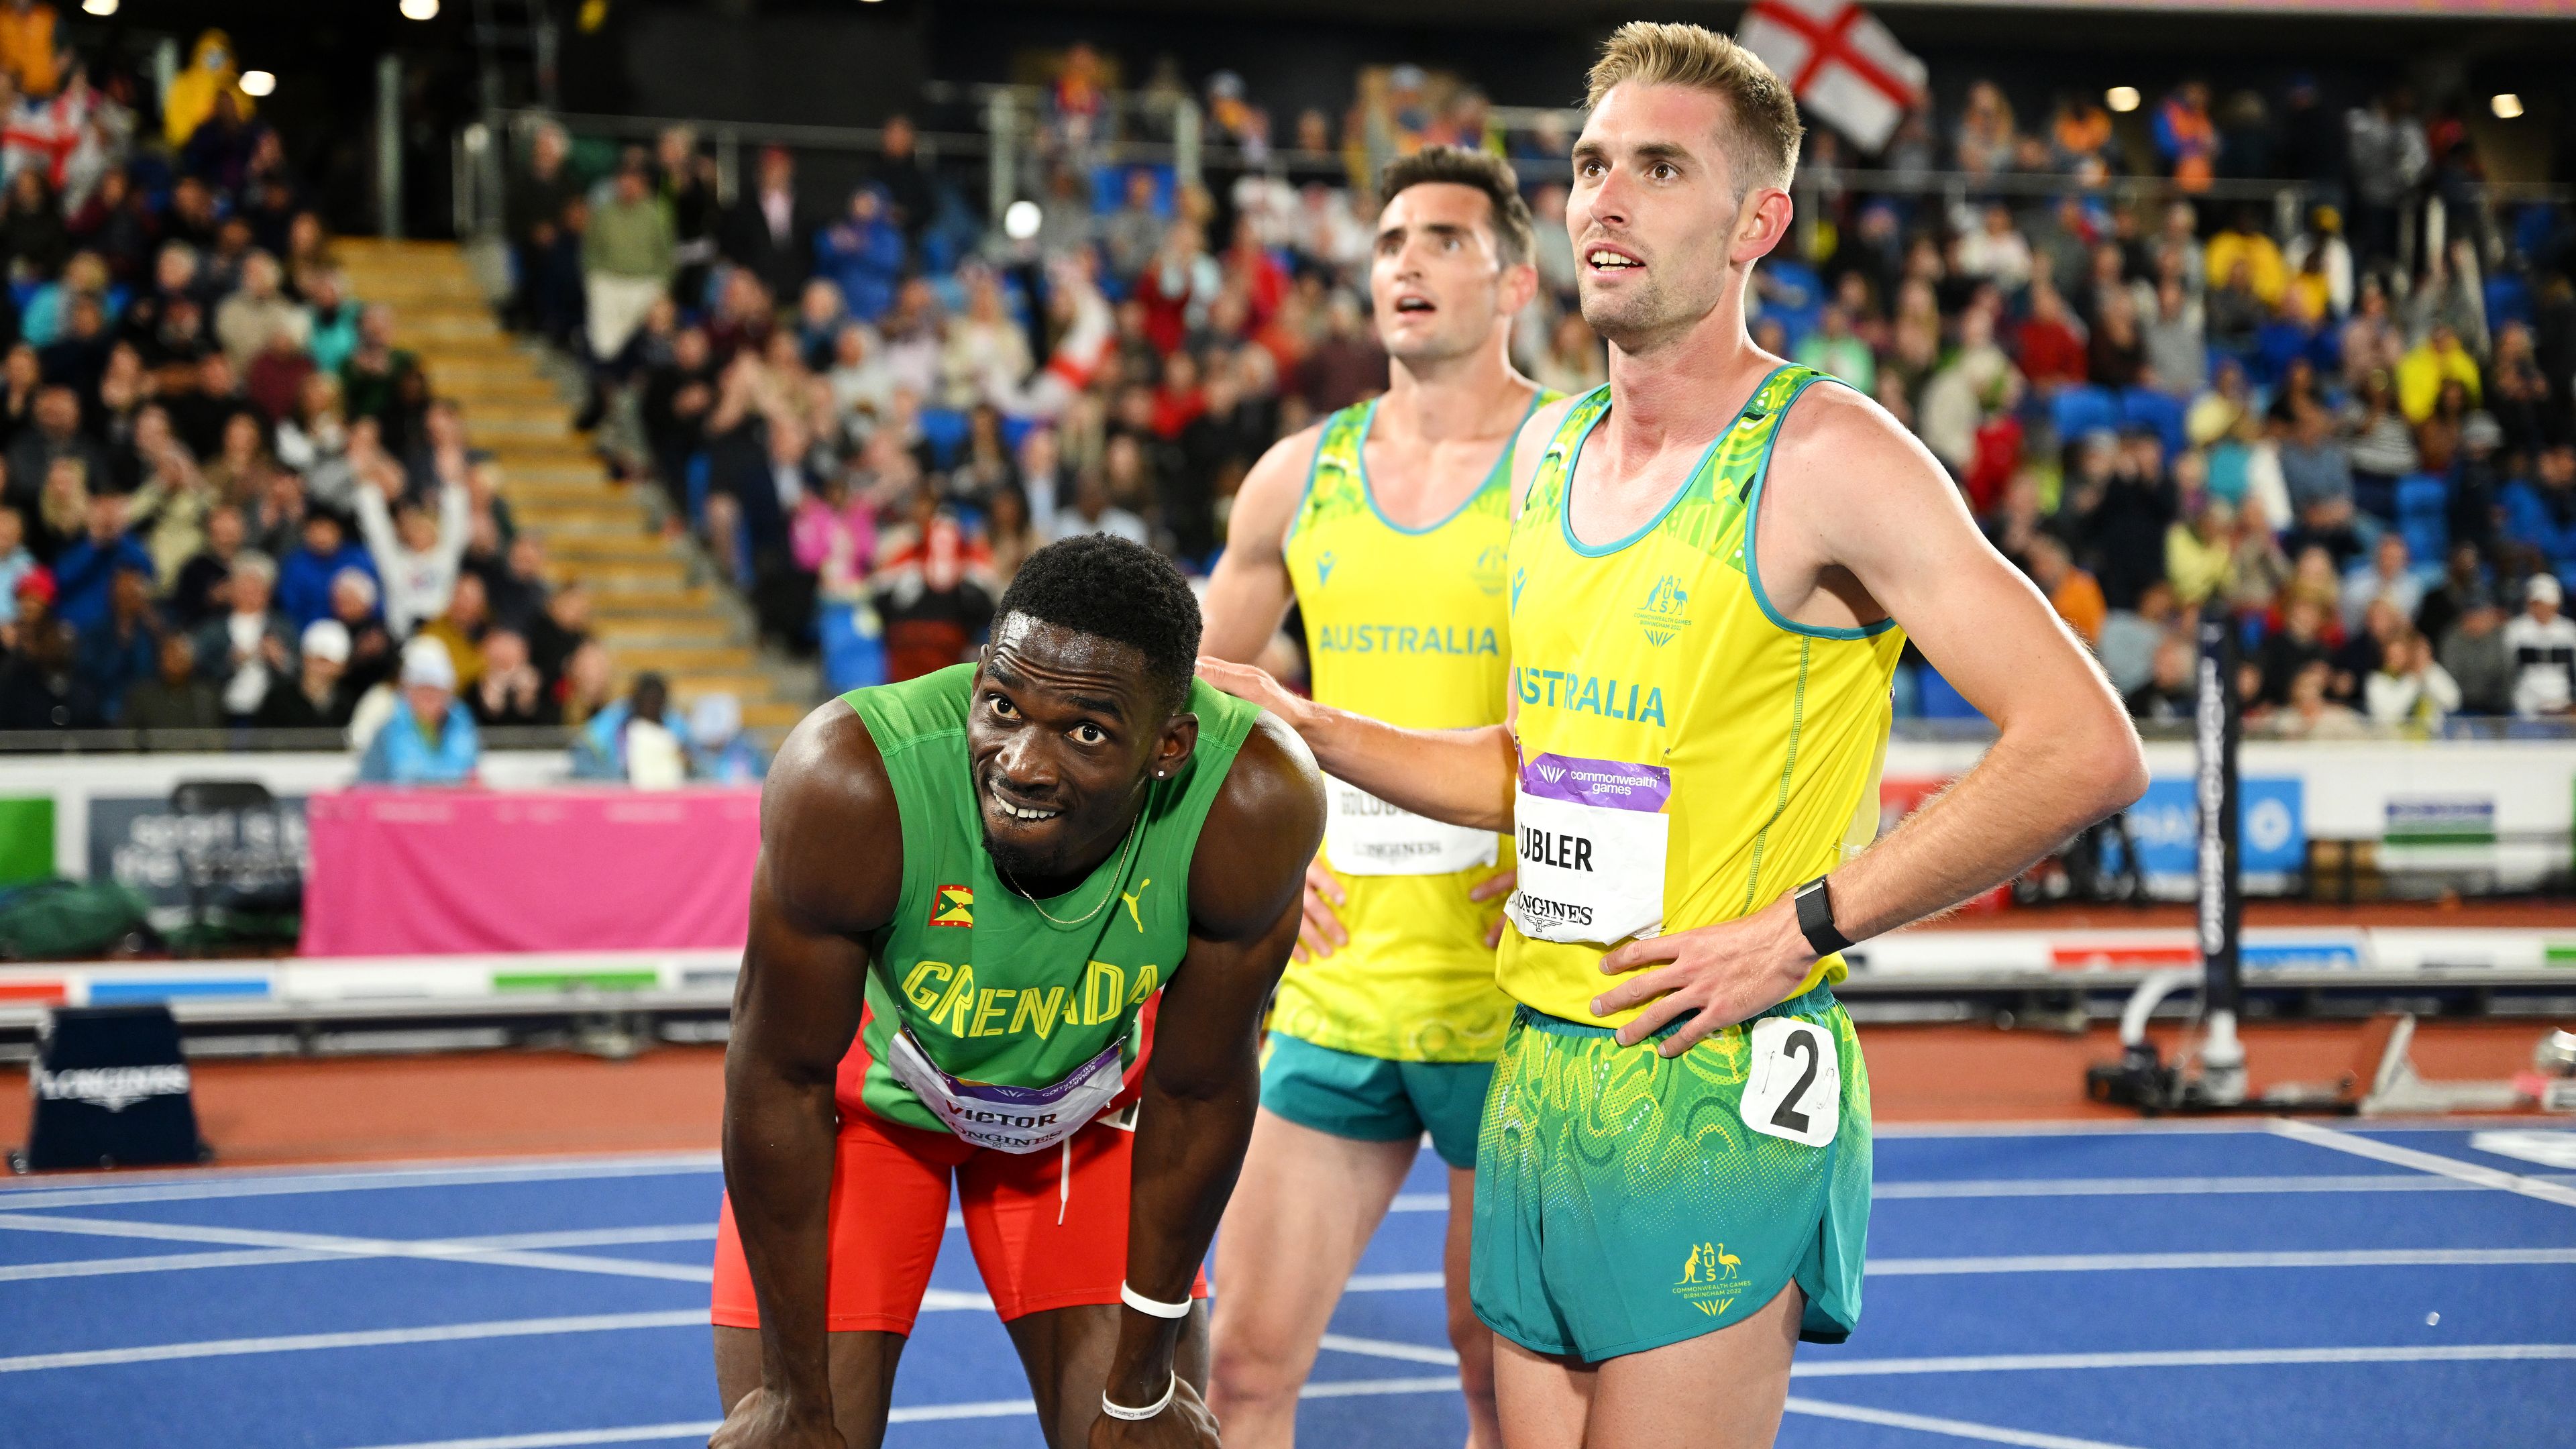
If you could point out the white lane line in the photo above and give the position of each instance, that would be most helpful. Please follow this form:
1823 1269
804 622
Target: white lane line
1364 1388
1392 1282
1910 1190
2433 1162
988 1409
572 1438
272 1183
1389 1348
2151 1262
1954 1428
369 1338
338 1246
267 1257
2161 1186
913 1414
525 1250
1846 1368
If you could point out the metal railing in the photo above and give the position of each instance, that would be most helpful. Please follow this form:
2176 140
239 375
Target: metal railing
1005 127
247 740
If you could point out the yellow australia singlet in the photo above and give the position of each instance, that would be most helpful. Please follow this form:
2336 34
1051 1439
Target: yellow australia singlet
1408 626
1655 678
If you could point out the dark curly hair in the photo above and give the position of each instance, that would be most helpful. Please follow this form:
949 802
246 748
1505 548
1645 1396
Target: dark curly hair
1112 589
1515 235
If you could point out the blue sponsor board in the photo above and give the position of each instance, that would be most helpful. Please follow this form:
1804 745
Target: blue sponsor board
2271 827
2300 956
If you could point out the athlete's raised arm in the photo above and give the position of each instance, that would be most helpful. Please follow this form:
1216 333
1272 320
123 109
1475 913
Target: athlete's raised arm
1864 524
1249 592
1195 1112
831 867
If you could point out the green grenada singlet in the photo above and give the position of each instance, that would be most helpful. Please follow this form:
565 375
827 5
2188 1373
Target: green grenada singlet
1014 1012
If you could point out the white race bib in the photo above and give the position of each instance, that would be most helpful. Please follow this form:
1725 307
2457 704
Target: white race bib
1590 837
1366 836
1794 1086
1008 1119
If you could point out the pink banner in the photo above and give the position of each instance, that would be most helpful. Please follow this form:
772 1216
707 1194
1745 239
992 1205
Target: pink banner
417 872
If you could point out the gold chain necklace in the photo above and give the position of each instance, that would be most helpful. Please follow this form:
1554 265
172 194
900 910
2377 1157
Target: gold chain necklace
1133 833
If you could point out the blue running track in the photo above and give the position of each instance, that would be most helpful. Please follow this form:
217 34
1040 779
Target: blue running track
2273 1285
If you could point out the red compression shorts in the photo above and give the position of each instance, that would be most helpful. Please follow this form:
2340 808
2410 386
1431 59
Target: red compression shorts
1048 1229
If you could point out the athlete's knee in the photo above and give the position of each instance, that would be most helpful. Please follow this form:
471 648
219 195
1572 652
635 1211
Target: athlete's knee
1247 1371
1475 1345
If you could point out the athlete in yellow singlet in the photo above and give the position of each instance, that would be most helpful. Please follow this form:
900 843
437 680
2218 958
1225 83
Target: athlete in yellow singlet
1713 563
1387 524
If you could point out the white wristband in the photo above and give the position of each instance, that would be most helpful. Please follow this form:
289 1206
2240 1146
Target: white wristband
1154 1306
1121 1411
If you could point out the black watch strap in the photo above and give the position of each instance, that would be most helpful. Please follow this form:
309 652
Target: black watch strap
1816 919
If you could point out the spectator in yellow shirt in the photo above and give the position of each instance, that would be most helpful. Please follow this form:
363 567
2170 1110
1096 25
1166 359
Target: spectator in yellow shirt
2438 359
212 69
2243 239
2201 554
28 52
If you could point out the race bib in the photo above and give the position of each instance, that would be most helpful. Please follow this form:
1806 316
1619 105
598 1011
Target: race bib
1794 1086
1590 837
1366 836
1008 1119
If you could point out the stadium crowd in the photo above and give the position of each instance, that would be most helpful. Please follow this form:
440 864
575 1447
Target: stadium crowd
229 498
2355 438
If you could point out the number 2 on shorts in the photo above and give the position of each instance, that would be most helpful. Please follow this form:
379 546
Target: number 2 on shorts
1794 1086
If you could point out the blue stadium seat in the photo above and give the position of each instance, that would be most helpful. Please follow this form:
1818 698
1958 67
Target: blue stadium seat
2275 346
2079 410
852 656
2144 408
1792 295
1109 188
2508 300
2424 516
945 430
1936 697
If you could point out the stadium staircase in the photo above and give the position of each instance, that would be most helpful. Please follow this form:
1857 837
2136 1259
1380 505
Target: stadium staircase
653 602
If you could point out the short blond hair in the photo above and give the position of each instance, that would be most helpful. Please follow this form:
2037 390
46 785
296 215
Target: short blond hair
1762 130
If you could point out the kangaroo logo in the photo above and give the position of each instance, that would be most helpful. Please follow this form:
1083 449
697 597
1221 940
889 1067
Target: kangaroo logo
1131 903
1709 1278
1664 615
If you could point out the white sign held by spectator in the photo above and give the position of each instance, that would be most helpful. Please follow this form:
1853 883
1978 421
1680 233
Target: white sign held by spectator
1840 62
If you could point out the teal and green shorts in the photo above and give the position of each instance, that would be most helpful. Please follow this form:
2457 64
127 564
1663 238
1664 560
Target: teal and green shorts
1623 1204
1372 1099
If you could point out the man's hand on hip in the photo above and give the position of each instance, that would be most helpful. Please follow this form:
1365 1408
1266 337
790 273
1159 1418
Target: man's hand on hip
1320 932
1726 973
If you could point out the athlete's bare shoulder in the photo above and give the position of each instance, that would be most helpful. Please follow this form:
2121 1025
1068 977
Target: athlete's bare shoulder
1529 445
1268 499
831 838
1841 446
1264 827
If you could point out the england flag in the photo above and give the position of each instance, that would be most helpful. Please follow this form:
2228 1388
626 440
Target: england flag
1840 63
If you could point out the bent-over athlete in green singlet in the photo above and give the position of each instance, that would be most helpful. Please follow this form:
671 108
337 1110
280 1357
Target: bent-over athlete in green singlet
999 869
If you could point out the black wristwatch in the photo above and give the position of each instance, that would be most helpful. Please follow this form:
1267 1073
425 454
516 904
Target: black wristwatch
1816 919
